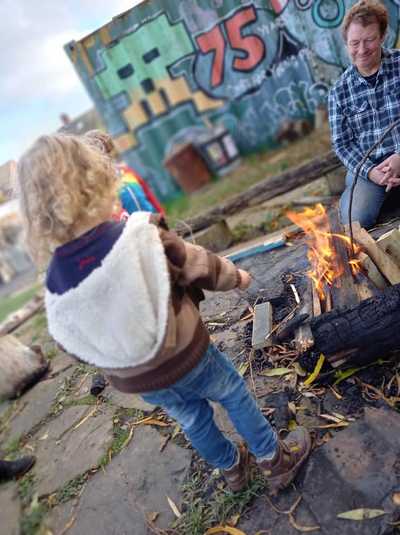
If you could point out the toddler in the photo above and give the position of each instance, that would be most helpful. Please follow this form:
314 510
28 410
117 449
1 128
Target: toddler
124 296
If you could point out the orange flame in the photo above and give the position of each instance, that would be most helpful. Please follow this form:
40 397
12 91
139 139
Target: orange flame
325 268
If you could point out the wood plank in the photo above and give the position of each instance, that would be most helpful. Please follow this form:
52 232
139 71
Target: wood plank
303 336
343 290
382 261
316 301
262 326
11 323
390 243
263 191
372 271
365 287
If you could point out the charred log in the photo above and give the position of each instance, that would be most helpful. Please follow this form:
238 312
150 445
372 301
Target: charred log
371 327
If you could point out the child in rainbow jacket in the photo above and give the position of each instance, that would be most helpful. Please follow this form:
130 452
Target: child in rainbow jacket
124 296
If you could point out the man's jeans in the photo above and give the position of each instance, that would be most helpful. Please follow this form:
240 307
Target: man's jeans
216 379
368 198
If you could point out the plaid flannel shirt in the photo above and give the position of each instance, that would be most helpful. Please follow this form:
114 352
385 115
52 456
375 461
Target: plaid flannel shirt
359 113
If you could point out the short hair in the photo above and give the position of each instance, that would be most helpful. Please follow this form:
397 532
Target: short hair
366 12
62 182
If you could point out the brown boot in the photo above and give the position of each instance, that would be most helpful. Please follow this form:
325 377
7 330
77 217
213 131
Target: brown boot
237 477
291 454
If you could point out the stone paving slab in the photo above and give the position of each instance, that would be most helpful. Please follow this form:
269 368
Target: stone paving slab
137 481
358 468
262 517
61 363
64 453
9 509
4 406
128 401
61 516
35 405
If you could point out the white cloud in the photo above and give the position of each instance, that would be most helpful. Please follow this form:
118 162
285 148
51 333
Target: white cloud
38 81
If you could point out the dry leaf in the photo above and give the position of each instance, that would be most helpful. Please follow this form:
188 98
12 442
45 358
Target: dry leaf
152 516
292 407
361 514
243 368
176 431
174 508
234 520
292 425
89 415
224 529
335 393
151 421
312 377
331 418
331 426
303 529
276 372
45 436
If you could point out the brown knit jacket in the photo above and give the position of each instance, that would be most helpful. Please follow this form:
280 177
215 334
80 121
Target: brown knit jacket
192 269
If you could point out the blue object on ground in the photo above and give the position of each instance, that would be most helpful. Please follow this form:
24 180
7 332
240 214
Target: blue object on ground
257 249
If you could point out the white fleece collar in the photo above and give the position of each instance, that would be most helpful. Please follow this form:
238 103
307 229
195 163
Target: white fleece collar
117 316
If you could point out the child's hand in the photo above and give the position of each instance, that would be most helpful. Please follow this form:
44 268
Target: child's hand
245 279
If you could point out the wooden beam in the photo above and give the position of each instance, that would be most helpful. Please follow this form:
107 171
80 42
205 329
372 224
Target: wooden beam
303 336
372 271
343 289
316 301
262 326
382 261
264 190
390 244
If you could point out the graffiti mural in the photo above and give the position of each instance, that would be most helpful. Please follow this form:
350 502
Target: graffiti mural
162 71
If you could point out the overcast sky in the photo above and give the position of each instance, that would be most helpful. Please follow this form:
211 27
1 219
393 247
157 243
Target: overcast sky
37 80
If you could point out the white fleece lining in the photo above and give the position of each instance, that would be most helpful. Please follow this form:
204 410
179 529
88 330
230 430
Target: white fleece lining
117 316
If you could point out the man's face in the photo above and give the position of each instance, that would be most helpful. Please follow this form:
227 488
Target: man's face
364 47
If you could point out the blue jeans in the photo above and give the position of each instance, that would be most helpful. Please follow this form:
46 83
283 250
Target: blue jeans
367 201
216 379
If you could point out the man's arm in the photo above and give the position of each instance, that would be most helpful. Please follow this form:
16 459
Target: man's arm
343 140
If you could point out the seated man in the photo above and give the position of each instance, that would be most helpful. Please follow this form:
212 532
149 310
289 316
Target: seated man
363 103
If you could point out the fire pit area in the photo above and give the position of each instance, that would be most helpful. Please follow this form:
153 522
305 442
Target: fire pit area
349 306
328 361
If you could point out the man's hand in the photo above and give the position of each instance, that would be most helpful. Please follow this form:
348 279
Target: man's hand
377 175
391 164
245 279
391 172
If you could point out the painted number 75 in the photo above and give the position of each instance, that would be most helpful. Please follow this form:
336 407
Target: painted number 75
214 41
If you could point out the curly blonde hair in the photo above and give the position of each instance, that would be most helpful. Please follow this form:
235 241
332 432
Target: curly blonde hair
63 182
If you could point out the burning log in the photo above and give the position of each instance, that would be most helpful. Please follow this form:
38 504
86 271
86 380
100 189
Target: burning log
353 319
343 290
369 329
